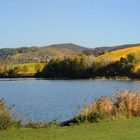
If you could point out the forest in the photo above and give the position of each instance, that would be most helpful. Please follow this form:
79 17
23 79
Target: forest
76 67
83 67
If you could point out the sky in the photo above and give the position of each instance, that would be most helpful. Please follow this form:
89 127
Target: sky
90 23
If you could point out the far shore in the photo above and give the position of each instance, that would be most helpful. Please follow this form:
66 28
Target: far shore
63 78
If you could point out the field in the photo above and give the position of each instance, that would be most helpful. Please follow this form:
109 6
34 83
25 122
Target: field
31 68
116 55
111 130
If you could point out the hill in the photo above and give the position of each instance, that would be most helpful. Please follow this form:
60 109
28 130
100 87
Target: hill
35 54
123 52
117 54
38 54
27 61
102 50
70 46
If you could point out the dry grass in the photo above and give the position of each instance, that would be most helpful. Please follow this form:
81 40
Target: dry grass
117 54
125 104
6 119
129 102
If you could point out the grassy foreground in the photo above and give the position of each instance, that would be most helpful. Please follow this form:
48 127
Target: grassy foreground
116 130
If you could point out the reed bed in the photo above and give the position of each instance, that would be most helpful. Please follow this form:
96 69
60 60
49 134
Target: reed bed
125 104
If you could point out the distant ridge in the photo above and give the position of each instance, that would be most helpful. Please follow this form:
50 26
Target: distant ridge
44 53
37 54
69 46
101 50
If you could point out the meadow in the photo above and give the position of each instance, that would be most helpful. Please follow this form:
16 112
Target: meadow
117 54
27 68
128 129
32 67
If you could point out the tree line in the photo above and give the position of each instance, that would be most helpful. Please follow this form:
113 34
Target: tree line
78 67
89 67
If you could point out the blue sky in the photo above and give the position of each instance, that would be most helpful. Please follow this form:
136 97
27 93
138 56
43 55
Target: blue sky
85 22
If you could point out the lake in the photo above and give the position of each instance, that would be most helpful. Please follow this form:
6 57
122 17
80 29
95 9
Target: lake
47 100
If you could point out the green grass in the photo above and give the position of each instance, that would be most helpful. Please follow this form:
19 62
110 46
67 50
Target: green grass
111 130
30 66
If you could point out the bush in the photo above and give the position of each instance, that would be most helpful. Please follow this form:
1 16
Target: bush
91 117
129 103
6 119
34 125
125 104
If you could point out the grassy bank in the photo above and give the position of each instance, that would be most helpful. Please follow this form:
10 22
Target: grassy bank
105 118
116 130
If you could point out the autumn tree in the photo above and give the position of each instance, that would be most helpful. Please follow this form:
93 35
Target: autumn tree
24 69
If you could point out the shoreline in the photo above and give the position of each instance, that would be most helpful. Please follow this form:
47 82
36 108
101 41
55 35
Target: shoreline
92 78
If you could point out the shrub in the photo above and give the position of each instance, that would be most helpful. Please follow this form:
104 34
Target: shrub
32 124
35 125
6 120
129 103
90 117
125 104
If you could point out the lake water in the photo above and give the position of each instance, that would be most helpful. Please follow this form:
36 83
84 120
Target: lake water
47 100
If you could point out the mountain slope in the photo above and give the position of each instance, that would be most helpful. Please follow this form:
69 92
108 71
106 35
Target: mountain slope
102 50
37 54
70 46
44 53
117 54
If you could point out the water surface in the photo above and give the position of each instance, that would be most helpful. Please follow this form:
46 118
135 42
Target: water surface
56 99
